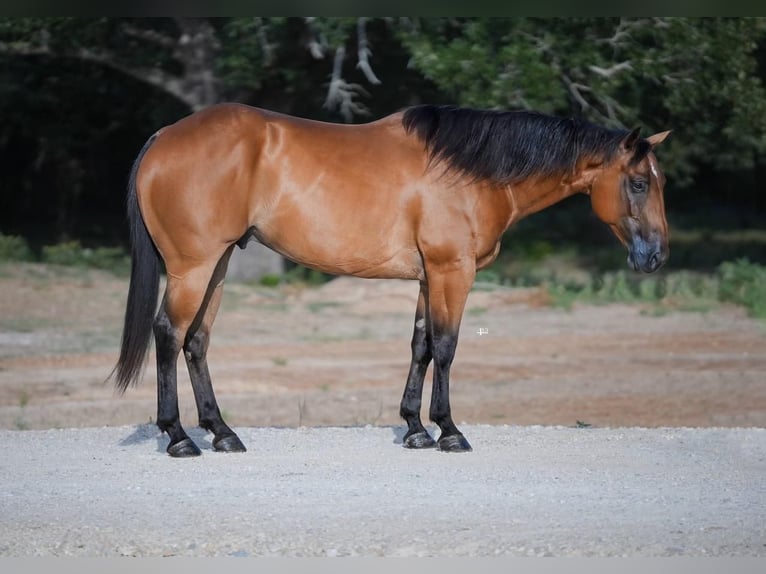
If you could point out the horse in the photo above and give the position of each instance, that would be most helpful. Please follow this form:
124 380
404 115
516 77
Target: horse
423 194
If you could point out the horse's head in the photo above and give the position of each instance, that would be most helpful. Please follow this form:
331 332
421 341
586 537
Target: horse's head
627 194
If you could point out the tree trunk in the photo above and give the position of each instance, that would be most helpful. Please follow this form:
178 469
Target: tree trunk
196 50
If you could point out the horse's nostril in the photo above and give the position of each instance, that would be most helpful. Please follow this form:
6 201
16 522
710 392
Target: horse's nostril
655 261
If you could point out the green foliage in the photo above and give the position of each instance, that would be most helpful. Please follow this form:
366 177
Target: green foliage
14 248
270 280
486 62
71 253
740 282
488 276
744 283
300 275
675 289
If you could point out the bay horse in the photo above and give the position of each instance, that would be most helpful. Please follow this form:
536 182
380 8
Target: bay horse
423 194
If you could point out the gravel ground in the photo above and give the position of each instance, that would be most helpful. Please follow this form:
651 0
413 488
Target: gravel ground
353 491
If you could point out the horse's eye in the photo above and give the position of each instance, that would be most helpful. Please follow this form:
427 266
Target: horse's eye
638 186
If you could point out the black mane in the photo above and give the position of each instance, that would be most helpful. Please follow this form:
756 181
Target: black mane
510 146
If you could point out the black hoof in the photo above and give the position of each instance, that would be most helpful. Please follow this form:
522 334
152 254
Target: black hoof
229 443
419 440
184 448
454 443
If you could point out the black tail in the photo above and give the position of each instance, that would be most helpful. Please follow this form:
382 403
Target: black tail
143 290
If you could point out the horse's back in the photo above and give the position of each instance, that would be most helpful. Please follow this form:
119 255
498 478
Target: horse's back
340 198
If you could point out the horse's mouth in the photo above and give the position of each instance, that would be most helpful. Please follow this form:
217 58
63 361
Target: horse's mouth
646 258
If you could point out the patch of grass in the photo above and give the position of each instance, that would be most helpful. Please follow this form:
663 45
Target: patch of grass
318 306
233 298
279 361
743 283
71 253
322 338
226 415
675 291
270 280
19 422
14 248
365 334
275 307
26 324
740 282
300 275
488 276
369 418
477 311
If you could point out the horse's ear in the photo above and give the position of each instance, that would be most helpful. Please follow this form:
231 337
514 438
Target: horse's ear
657 139
630 140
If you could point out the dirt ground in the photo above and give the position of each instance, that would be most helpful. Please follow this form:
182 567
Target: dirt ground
338 355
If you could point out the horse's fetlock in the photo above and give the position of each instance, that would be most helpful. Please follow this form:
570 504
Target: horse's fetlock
164 425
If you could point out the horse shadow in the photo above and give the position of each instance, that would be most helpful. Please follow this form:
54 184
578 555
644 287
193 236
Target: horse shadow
400 430
149 432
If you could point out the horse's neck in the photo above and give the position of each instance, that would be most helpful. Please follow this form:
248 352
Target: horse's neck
533 195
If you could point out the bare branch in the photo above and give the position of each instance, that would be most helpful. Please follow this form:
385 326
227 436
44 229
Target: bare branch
150 36
153 76
318 43
622 32
24 49
267 47
541 45
341 94
613 110
575 89
363 52
195 86
612 70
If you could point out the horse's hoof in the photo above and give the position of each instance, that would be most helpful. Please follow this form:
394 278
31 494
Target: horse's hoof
229 443
419 440
454 443
184 448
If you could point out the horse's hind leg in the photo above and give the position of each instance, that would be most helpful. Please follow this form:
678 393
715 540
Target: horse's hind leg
168 418
195 353
417 436
183 299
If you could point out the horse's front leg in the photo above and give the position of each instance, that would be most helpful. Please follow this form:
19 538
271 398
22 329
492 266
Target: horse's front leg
448 288
417 436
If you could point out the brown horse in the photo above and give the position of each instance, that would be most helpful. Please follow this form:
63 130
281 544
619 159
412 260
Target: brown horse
425 195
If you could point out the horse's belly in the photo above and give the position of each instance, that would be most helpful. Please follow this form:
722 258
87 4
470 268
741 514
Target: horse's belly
346 253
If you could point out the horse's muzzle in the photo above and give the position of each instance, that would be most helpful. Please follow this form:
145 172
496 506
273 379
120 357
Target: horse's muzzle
647 256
